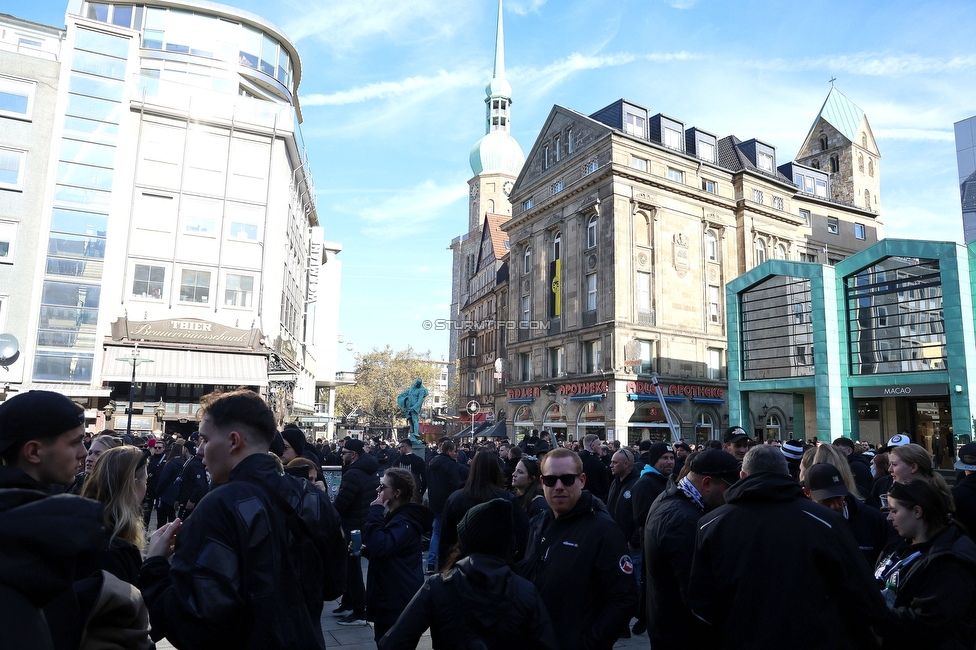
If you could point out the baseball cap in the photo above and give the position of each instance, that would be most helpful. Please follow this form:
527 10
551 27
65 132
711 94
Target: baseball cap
355 445
824 482
37 414
716 462
735 434
899 440
967 458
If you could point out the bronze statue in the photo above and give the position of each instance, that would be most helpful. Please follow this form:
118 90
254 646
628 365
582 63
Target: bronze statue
411 400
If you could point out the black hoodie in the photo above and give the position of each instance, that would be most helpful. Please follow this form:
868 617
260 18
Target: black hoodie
393 547
356 491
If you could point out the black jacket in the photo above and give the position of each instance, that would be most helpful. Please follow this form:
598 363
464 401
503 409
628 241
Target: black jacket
861 469
871 529
879 491
193 483
459 503
415 465
669 546
620 506
597 475
235 579
582 569
356 491
645 490
443 477
769 543
393 547
964 494
42 541
480 598
936 602
167 488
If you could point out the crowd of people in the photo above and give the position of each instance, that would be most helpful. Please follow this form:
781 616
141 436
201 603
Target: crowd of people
541 544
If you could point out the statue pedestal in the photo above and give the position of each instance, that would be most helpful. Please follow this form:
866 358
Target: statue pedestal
420 449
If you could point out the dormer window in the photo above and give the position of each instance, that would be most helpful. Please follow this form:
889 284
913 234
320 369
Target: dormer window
634 124
706 151
672 139
764 161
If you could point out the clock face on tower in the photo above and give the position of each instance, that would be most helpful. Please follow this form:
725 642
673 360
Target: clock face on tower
474 192
507 188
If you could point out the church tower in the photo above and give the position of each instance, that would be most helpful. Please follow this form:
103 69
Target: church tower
841 143
496 160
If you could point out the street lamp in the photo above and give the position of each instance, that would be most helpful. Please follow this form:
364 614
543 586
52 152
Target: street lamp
135 360
160 411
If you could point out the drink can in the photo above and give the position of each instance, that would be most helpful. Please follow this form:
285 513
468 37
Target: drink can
356 537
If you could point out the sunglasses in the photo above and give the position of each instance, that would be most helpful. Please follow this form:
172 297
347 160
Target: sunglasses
567 479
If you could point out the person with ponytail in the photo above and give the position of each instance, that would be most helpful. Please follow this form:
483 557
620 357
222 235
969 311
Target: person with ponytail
928 576
915 462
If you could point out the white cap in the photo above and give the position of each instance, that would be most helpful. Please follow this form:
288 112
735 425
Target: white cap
899 440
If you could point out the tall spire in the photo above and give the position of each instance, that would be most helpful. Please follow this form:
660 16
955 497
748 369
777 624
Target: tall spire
499 91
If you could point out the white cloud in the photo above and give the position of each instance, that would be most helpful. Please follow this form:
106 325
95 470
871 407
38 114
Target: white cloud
421 85
681 4
542 79
870 64
525 6
407 212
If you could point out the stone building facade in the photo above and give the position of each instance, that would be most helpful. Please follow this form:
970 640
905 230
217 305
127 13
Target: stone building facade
626 227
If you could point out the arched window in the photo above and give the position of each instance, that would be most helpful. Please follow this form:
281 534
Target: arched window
815 163
557 242
780 252
711 246
527 260
591 232
867 199
703 428
642 229
823 143
760 251
773 427
491 206
864 140
870 168
860 162
834 165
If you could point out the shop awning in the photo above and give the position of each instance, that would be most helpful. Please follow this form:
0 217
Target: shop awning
521 400
69 390
644 397
497 430
707 400
187 367
586 398
478 417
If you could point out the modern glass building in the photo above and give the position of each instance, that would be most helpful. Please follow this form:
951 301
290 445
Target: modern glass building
179 216
879 344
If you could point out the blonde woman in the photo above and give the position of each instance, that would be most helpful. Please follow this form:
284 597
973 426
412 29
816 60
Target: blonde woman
118 480
915 462
837 458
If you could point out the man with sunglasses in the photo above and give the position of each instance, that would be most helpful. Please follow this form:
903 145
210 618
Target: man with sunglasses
669 546
578 560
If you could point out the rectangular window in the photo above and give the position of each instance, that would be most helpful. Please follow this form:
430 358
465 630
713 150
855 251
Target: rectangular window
706 151
714 363
200 226
859 230
471 392
801 355
148 281
808 184
765 161
8 230
757 195
778 202
473 350
646 357
821 189
525 366
714 305
239 291
644 291
591 353
12 164
527 204
557 361
556 146
555 188
634 125
545 157
591 292
709 186
676 175
638 163
672 139
805 215
798 180
526 310
569 141
195 286
16 97
590 167
832 226
240 230
591 232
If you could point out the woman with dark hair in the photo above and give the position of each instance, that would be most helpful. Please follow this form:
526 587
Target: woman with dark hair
528 488
929 576
477 601
485 482
167 488
391 539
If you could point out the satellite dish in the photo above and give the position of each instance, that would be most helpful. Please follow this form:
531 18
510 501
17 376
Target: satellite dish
9 349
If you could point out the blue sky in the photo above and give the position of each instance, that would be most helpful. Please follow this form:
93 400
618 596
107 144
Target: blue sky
393 100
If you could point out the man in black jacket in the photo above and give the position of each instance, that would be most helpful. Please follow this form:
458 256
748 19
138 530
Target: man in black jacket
653 480
414 464
443 477
578 560
193 482
669 541
356 491
619 500
860 466
597 476
252 568
964 491
740 557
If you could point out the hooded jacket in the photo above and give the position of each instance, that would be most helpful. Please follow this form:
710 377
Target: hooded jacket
393 547
458 505
964 495
480 599
356 491
645 489
935 607
580 564
597 475
771 544
443 477
871 529
620 506
235 579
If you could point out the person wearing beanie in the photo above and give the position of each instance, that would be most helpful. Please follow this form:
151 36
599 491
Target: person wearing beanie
477 600
793 452
294 443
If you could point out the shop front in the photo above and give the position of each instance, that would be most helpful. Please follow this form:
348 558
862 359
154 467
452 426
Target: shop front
923 411
696 411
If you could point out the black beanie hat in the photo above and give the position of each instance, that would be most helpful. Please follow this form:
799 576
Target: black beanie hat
295 438
487 528
657 450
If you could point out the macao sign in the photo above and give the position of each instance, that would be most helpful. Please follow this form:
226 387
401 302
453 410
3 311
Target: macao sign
683 390
184 331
